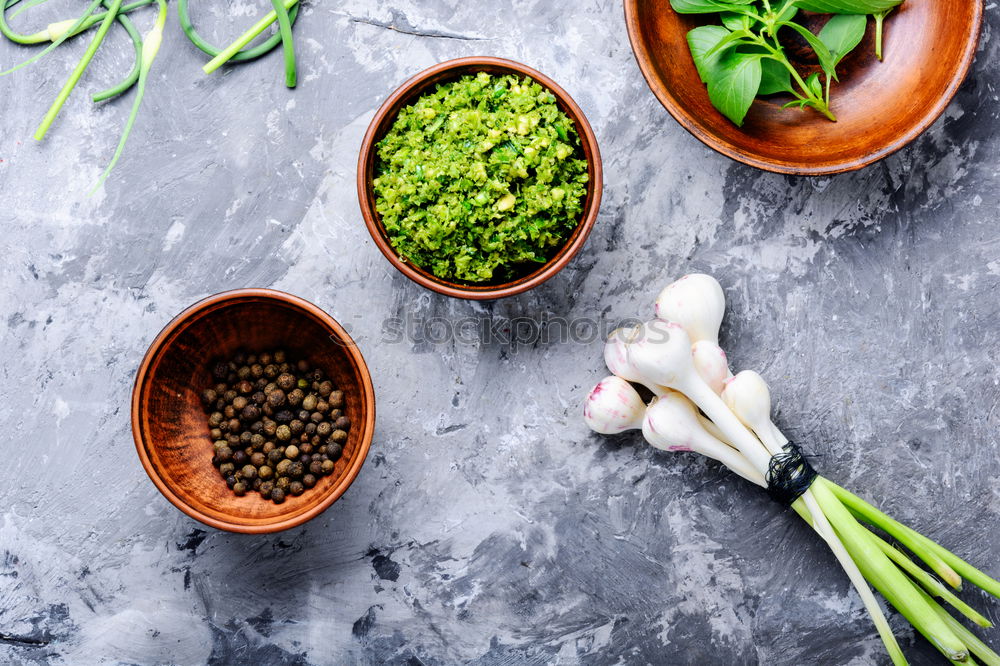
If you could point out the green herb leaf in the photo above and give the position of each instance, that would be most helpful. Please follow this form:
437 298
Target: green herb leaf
701 41
822 52
734 84
708 6
735 21
729 41
847 6
841 34
775 78
815 85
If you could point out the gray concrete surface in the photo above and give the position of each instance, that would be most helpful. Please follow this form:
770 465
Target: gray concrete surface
488 525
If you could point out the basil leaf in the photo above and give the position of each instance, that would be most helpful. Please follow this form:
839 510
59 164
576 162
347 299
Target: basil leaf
707 6
815 85
823 53
847 6
734 85
730 40
775 78
701 41
841 34
735 21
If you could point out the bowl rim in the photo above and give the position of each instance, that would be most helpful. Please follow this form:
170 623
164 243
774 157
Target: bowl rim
188 316
694 127
425 279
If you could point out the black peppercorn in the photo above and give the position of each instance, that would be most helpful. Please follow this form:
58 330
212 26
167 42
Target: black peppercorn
268 447
282 467
295 397
296 487
276 397
316 468
229 412
240 458
309 480
270 427
249 472
223 454
231 481
286 382
215 433
243 372
343 423
209 396
284 416
309 402
258 459
296 426
336 399
232 439
256 371
292 452
339 436
270 371
316 417
245 387
306 448
259 398
265 472
334 451
328 466
240 489
283 433
275 456
324 429
279 356
234 425
226 469
250 413
325 388
282 482
277 495
296 470
304 416
240 402
266 487
257 441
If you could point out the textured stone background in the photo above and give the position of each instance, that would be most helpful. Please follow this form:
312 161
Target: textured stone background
488 526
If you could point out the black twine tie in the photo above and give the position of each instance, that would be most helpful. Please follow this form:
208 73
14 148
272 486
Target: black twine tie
789 475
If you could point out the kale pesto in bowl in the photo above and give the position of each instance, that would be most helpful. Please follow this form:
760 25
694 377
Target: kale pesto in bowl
479 178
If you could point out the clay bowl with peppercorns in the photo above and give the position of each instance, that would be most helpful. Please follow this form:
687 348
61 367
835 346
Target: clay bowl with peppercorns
171 420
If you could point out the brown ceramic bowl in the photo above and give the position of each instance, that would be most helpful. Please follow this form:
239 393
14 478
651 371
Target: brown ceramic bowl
880 106
170 425
425 82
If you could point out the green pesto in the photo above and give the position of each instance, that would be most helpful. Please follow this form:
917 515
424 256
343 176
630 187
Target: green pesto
480 178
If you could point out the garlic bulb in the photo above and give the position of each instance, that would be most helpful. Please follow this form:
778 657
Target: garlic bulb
613 406
711 363
697 303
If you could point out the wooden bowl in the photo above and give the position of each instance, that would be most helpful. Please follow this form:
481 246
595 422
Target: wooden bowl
407 94
880 106
170 425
